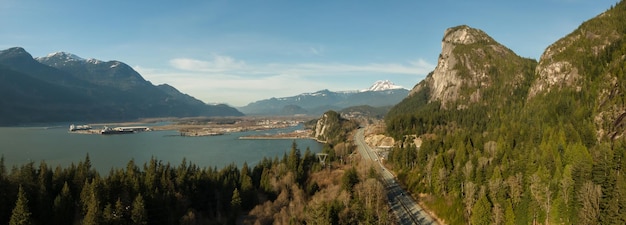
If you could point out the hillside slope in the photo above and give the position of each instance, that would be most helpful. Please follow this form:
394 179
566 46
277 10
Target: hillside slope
62 87
510 140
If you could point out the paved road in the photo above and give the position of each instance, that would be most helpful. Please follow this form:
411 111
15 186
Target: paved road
402 204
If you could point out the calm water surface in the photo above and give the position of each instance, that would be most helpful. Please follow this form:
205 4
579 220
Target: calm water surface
56 146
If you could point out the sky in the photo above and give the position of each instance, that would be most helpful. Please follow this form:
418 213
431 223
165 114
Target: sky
238 52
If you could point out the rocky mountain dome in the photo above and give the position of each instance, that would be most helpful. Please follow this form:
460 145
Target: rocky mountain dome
554 129
470 64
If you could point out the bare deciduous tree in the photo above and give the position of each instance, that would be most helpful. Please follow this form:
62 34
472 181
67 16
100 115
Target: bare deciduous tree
467 170
567 183
541 193
515 188
469 192
498 214
589 197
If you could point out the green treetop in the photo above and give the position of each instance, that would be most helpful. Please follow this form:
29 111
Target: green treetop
21 214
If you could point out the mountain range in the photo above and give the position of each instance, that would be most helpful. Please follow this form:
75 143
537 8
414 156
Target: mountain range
381 93
505 139
63 87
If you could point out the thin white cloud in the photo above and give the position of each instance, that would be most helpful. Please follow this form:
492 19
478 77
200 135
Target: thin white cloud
418 67
317 51
226 79
219 63
227 64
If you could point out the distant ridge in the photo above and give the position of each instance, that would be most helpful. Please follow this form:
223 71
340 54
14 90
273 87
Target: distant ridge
63 87
381 93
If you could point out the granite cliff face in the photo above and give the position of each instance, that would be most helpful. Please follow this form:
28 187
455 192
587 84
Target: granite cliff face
590 63
560 65
485 111
470 64
579 76
333 129
321 126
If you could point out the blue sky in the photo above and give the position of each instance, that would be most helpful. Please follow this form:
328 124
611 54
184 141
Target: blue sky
237 52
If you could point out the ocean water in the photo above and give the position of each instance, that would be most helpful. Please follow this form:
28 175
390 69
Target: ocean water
56 146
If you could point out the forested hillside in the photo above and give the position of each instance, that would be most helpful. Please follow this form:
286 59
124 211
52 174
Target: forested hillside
507 140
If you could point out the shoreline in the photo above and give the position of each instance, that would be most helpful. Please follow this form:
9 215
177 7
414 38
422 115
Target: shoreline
270 137
200 127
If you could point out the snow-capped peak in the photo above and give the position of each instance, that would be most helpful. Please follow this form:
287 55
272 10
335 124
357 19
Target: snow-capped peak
383 85
65 56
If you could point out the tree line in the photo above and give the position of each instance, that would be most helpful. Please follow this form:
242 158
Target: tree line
154 193
293 188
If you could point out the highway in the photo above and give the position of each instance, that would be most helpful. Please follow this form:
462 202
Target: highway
400 201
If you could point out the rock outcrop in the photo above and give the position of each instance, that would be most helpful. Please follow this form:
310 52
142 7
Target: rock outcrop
471 62
579 76
554 75
562 63
590 62
321 126
333 129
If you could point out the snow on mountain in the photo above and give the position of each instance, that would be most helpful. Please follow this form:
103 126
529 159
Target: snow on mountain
383 85
65 57
318 93
97 61
381 93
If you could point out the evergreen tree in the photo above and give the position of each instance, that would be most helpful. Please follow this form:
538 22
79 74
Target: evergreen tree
21 215
64 206
509 215
3 172
108 215
189 219
248 195
93 214
44 200
349 179
139 215
235 202
119 213
265 182
293 161
5 196
235 205
481 212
